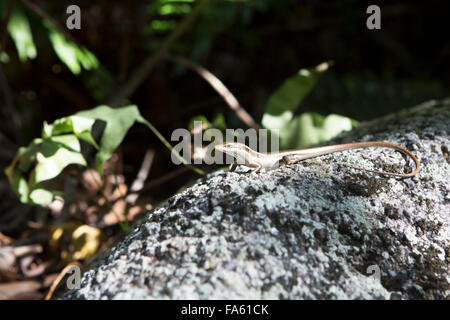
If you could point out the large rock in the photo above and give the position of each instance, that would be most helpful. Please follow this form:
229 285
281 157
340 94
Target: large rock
313 230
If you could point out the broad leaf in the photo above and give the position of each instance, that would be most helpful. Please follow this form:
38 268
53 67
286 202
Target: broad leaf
294 90
49 156
45 158
41 196
312 128
19 29
79 126
74 57
55 154
118 122
305 129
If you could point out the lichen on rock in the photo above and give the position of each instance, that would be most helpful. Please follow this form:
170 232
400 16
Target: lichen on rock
312 230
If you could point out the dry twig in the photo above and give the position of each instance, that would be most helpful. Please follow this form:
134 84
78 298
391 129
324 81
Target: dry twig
220 88
58 279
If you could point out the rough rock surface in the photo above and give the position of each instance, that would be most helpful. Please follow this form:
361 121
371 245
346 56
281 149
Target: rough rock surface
313 230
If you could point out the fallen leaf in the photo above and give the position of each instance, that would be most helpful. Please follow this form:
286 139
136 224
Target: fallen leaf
79 242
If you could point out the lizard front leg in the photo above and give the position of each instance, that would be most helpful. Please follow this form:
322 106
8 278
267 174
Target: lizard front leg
233 166
257 169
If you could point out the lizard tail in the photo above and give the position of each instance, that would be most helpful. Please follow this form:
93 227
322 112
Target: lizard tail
298 155
398 148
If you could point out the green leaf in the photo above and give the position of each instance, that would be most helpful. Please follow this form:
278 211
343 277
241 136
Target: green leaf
174 8
307 128
312 128
42 197
79 126
163 25
201 118
20 185
118 121
49 156
26 156
60 147
294 90
55 154
277 122
19 29
70 54
4 58
219 122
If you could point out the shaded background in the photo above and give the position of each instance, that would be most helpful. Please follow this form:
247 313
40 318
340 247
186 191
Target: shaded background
252 46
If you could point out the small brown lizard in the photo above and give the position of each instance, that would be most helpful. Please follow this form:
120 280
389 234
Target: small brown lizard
250 158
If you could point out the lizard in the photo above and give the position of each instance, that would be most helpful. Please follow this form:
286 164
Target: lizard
256 160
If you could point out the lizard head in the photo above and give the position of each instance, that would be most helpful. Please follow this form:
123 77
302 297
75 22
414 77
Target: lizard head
232 148
240 152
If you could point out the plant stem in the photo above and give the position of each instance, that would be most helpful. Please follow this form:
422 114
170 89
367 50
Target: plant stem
147 66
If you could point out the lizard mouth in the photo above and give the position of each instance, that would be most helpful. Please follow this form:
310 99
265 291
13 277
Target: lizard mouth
221 147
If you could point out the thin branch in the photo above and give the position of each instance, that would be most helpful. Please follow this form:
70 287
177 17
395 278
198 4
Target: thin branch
138 184
100 188
220 88
44 15
147 66
5 25
175 152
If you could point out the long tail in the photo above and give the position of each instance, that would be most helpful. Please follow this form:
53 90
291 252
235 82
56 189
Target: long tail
308 153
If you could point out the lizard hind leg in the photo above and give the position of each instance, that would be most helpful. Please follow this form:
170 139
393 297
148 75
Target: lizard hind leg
279 163
290 159
283 161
